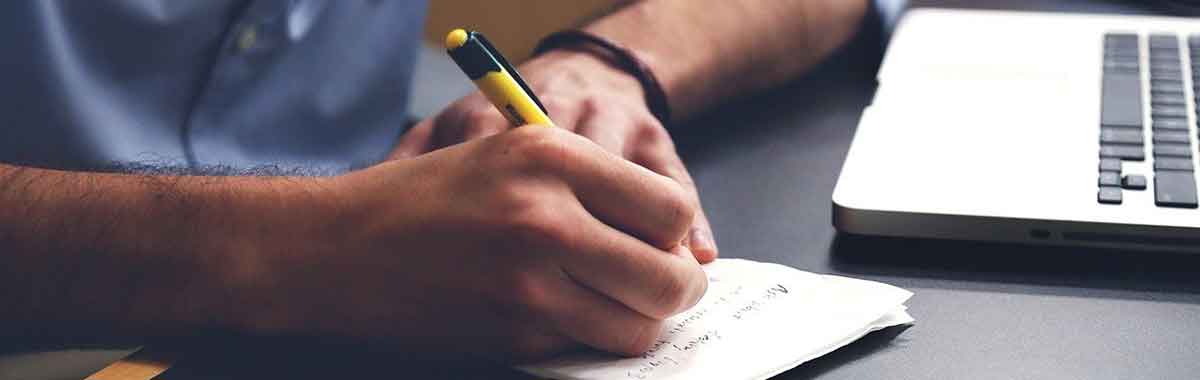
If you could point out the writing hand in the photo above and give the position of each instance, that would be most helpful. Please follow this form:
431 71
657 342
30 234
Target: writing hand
525 242
589 97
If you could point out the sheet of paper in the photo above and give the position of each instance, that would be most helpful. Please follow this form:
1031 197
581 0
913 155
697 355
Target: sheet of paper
756 321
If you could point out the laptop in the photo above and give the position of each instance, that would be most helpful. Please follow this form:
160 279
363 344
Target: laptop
1064 129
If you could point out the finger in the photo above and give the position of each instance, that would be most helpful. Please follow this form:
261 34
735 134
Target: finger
468 121
480 127
605 129
660 157
565 114
620 193
598 321
417 141
654 283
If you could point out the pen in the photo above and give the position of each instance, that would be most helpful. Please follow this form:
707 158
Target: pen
496 78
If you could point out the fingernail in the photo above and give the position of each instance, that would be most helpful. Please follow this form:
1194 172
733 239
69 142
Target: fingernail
701 240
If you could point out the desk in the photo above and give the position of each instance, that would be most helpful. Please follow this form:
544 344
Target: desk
984 311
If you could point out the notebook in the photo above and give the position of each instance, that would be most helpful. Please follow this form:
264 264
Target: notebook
756 321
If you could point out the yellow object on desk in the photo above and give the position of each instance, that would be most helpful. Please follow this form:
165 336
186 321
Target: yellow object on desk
145 364
496 78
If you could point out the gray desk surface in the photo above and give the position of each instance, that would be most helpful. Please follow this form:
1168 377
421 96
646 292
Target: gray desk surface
984 311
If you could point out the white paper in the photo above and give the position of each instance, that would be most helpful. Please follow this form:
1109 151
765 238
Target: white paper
756 321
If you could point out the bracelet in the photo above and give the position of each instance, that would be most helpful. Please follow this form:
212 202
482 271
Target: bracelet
622 58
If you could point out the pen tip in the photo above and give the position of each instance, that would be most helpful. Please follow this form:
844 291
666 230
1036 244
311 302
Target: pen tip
456 39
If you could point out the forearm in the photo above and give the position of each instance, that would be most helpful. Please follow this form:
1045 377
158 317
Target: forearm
704 51
127 253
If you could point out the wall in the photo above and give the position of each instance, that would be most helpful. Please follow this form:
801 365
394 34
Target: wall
514 26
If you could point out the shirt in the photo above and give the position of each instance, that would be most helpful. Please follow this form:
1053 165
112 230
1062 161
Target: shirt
298 83
316 84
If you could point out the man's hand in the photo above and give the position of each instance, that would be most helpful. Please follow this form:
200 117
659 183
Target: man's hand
526 242
585 95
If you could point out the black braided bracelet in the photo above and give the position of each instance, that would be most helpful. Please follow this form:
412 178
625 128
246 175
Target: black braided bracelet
621 57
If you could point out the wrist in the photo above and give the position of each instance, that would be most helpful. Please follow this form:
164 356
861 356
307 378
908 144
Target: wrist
280 227
619 57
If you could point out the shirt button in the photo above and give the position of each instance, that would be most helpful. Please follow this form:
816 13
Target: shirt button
247 38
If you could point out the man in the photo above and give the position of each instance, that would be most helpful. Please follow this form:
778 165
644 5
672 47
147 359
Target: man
158 159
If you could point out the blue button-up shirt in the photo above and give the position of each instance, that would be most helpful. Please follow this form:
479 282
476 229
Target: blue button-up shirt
317 84
298 83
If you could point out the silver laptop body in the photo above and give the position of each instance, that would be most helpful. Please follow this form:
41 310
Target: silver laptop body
1039 128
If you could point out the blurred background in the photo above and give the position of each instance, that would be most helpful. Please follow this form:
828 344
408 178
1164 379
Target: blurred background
513 25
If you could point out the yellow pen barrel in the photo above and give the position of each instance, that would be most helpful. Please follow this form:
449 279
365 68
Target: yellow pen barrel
511 100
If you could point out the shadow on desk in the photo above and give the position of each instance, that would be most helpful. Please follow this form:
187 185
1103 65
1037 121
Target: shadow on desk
883 340
1144 275
309 358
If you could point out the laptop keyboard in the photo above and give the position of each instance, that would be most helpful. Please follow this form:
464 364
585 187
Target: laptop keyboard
1123 111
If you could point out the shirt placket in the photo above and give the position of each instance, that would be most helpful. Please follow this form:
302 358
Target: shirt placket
257 34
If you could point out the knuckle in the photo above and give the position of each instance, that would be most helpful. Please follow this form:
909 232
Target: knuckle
680 208
542 146
513 196
537 225
653 132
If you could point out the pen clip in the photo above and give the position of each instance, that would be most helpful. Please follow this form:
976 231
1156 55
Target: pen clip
512 71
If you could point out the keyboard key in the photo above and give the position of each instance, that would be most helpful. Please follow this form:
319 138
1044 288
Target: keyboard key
1166 71
1167 90
1124 152
1123 67
1172 150
1171 137
1167 163
1110 179
1170 124
1117 48
1168 100
1175 189
1164 55
1120 37
1174 83
1163 59
1160 75
1168 111
1121 136
1123 56
1122 100
1110 165
1109 195
1164 40
1134 182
